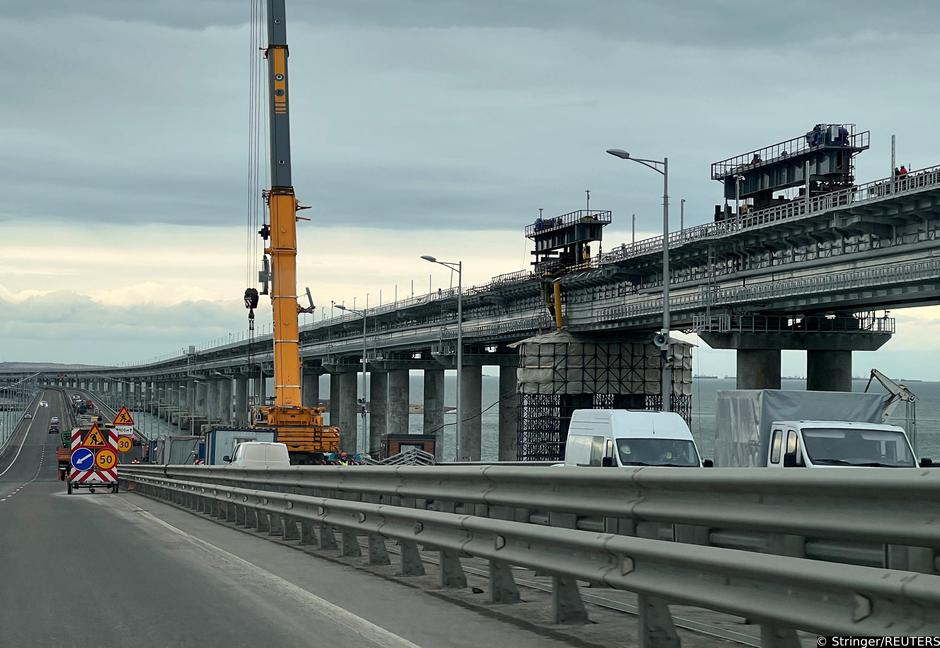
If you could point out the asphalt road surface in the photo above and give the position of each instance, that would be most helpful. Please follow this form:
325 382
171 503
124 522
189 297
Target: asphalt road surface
106 570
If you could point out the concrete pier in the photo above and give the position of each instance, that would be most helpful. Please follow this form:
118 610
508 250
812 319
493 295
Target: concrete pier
241 401
434 408
758 368
829 370
310 387
378 411
508 414
225 401
334 399
471 393
398 400
212 399
348 408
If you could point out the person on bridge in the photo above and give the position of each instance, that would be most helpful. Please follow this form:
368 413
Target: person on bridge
903 171
343 458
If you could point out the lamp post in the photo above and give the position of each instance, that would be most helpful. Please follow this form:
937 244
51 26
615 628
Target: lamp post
661 167
738 179
458 266
361 442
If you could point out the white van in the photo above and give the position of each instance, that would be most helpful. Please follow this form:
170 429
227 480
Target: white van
615 437
259 454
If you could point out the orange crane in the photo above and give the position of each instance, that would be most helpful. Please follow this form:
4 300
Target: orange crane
299 427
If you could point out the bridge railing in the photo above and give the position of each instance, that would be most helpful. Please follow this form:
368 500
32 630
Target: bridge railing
486 511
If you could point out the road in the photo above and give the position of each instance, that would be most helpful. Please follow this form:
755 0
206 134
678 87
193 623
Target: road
109 570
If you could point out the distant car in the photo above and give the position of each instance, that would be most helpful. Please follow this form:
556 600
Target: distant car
43 404
54 419
27 415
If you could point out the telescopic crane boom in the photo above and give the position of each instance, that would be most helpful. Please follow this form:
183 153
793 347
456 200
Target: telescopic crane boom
300 427
899 394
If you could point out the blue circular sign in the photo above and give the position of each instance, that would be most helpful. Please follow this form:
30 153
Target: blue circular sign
83 459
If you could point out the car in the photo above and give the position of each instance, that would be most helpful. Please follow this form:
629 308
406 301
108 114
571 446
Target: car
54 419
259 454
28 415
43 404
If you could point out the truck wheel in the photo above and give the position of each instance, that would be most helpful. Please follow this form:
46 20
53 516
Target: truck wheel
92 490
69 487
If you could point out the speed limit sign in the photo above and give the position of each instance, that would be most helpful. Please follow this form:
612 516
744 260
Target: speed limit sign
124 444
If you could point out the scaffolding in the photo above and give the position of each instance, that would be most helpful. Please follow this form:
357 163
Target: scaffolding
562 372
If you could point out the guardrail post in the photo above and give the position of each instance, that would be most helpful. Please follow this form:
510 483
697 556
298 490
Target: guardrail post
289 528
276 522
502 585
241 515
656 627
308 534
351 544
231 512
327 538
777 637
917 559
567 606
263 522
452 575
411 564
378 554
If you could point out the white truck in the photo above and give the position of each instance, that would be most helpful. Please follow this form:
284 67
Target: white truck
259 454
804 429
625 438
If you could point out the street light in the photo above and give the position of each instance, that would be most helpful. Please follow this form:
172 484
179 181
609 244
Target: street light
661 167
458 266
360 446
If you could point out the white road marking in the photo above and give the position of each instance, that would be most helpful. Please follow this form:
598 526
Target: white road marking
23 442
364 628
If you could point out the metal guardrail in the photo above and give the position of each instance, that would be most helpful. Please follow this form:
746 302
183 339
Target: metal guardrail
591 216
781 592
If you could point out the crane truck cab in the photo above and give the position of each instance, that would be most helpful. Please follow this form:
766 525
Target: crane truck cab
629 438
808 444
259 454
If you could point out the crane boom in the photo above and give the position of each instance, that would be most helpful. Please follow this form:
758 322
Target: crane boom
899 394
299 426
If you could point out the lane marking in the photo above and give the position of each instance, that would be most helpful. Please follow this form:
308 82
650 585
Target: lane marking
363 627
23 442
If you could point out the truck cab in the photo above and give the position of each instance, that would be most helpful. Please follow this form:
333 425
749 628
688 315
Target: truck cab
630 438
809 444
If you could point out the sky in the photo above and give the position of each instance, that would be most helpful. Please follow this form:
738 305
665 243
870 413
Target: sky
418 127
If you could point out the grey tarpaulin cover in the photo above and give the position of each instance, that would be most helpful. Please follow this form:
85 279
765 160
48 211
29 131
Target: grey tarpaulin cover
744 416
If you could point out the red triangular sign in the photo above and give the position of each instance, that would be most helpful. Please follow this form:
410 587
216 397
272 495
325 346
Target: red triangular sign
123 417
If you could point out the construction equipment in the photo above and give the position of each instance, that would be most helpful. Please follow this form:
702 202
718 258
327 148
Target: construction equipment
899 394
299 427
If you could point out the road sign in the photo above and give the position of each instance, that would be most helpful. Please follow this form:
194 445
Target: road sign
94 438
124 444
123 418
83 459
106 459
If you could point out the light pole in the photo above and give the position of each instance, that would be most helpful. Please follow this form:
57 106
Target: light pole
661 167
738 179
361 442
458 266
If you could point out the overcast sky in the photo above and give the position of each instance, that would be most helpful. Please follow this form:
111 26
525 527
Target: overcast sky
417 127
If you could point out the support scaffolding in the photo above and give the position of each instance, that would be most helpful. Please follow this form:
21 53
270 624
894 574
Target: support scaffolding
561 372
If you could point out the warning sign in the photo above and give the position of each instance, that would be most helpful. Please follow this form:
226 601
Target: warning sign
123 418
124 444
105 459
94 438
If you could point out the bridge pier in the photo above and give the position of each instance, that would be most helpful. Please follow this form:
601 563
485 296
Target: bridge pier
241 400
398 401
348 407
378 411
508 413
310 391
471 392
225 401
758 368
202 392
334 399
829 370
433 418
212 399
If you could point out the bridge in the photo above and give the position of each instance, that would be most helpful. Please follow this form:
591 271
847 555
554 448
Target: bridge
474 554
809 273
